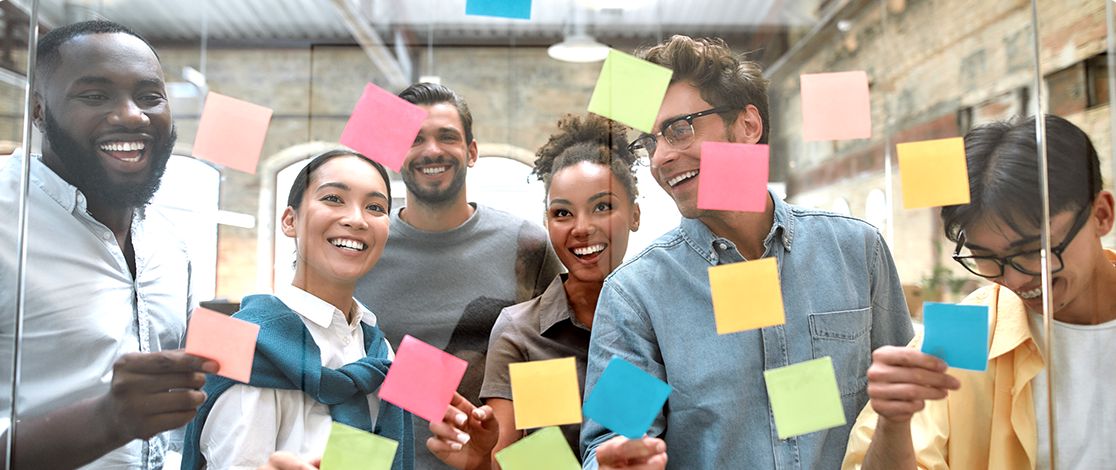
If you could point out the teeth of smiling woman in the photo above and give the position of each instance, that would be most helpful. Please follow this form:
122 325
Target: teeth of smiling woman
350 244
1030 294
679 178
122 146
434 170
589 250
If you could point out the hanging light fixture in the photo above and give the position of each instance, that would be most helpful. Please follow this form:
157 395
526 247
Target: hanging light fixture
578 45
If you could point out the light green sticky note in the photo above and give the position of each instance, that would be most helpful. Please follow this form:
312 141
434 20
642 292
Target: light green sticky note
545 449
630 90
350 448
804 397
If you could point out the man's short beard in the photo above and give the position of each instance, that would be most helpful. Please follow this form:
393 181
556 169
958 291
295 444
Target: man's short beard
434 197
88 174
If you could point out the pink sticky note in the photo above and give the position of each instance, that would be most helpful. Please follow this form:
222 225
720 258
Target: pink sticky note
422 379
383 126
835 106
231 132
229 341
733 177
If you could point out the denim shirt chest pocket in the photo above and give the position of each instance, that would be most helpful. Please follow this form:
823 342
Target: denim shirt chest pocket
843 335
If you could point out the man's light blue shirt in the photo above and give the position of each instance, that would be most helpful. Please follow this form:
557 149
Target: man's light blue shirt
842 299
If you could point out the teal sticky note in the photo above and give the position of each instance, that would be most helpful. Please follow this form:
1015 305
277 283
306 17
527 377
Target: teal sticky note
626 399
804 397
958 334
515 9
630 90
545 449
350 448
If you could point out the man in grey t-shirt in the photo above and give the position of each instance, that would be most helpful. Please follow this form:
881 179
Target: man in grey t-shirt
450 266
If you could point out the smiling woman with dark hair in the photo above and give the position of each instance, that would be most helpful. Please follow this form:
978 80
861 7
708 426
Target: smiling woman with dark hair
923 414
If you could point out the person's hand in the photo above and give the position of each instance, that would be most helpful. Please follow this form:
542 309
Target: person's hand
465 436
648 453
901 379
154 392
288 461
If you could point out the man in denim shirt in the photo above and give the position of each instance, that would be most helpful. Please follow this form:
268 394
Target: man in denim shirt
841 293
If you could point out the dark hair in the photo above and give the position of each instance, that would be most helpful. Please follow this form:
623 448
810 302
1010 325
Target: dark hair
592 139
723 79
1002 158
302 180
432 93
47 55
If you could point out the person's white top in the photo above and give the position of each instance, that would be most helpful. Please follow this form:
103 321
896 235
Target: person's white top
1084 405
83 309
247 424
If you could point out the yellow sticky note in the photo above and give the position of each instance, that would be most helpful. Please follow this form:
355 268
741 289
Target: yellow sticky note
933 173
630 90
545 393
746 295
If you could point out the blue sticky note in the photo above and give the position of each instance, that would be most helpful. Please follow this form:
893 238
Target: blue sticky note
626 399
958 334
515 9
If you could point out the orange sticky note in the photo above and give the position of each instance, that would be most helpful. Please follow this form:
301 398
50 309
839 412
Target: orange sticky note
746 295
229 341
545 393
933 173
835 106
231 132
383 126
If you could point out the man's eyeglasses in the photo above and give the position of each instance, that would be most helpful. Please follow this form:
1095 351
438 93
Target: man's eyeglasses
678 132
1027 262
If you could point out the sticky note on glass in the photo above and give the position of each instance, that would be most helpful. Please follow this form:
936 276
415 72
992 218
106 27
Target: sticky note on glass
746 295
545 393
733 177
630 90
231 132
545 449
958 334
515 9
804 397
422 379
229 341
835 106
383 126
626 399
933 173
350 448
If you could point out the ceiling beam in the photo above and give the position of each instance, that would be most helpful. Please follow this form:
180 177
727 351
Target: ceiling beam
373 45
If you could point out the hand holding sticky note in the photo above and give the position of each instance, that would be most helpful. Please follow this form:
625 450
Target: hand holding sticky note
933 173
733 177
350 448
545 393
383 127
229 341
958 334
746 295
545 449
630 90
835 106
422 379
231 132
626 399
804 397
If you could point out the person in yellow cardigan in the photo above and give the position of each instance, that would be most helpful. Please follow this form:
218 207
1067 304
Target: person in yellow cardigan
922 414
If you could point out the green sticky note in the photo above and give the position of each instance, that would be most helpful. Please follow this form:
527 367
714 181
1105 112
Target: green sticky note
804 397
630 90
545 449
350 448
